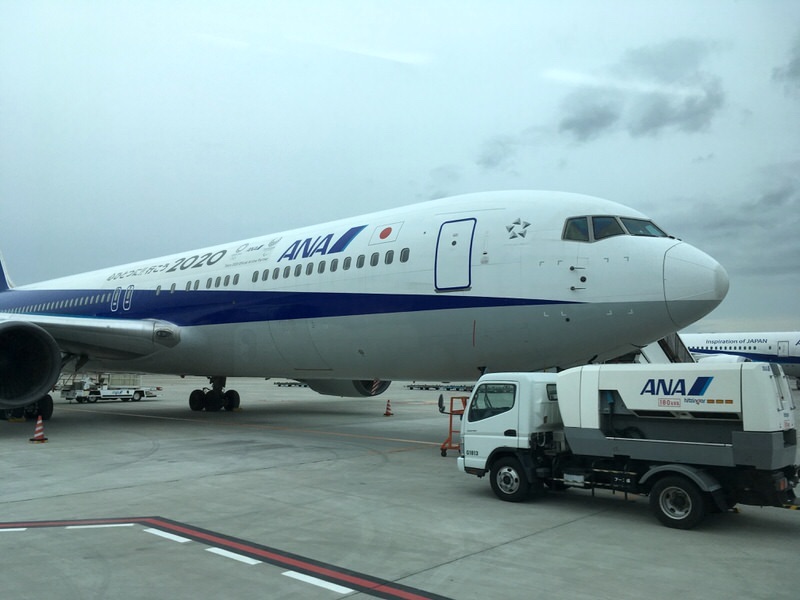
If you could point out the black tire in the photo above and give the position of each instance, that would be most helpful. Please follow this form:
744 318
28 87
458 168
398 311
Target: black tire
231 400
137 395
508 480
677 502
214 401
197 400
46 407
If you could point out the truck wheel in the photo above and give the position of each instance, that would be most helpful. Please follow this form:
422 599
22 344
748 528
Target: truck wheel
508 480
677 502
137 395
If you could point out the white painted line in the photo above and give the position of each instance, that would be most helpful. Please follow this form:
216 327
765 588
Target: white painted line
100 526
169 536
15 529
320 582
234 556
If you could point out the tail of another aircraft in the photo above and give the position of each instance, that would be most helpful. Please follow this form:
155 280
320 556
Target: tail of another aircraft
5 283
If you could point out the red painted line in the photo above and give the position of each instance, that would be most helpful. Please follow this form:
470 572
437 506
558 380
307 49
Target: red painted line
330 573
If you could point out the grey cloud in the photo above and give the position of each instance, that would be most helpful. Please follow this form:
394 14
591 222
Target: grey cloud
789 73
751 234
588 116
655 112
669 61
650 90
442 181
498 151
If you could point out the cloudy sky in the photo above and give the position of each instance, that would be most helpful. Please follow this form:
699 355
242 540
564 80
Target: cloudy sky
129 130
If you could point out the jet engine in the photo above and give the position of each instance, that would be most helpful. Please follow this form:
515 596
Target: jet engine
30 363
357 388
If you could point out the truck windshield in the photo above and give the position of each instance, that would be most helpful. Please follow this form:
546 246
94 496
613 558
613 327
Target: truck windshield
491 399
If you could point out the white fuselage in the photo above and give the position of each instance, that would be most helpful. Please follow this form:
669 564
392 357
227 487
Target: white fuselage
781 347
442 290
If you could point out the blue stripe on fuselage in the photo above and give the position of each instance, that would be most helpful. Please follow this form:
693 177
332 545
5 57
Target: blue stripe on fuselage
217 307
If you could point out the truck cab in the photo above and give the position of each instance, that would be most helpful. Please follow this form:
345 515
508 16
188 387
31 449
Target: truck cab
504 411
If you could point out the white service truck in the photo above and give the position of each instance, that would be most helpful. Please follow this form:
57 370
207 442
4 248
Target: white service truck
695 438
106 386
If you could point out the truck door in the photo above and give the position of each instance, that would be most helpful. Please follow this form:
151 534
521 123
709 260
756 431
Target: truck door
490 422
452 270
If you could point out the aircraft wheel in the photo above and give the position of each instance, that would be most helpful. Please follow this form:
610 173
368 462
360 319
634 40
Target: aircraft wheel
508 480
197 400
46 407
677 502
231 400
214 400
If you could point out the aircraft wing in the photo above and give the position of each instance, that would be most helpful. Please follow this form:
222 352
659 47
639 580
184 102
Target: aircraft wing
103 338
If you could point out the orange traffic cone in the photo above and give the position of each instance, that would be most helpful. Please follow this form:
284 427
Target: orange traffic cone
38 434
388 412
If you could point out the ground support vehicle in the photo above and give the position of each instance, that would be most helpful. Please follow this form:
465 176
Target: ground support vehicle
106 386
694 438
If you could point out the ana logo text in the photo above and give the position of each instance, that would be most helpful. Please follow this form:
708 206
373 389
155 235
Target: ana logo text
322 245
676 387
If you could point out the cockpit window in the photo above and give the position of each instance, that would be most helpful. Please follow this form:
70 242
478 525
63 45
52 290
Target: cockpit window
599 227
642 227
577 229
604 227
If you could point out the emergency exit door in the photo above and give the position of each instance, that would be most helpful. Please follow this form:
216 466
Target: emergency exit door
452 270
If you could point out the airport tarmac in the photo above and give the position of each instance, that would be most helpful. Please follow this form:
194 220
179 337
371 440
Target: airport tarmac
303 496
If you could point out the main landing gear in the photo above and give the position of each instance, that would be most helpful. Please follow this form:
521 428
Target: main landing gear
214 399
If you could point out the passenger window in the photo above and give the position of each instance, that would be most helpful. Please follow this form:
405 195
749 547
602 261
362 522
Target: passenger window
577 229
360 261
255 276
264 275
374 259
309 268
286 271
298 270
334 264
491 399
404 254
604 227
389 257
346 263
321 267
276 272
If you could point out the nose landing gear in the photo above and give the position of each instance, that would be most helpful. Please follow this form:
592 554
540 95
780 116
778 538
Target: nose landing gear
214 399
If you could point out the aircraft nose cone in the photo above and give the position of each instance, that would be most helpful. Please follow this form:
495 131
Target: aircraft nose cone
694 284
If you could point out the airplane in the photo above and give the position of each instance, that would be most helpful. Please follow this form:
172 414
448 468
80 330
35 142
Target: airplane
777 347
444 290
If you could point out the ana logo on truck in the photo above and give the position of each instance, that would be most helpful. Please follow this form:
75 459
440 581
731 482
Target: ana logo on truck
675 387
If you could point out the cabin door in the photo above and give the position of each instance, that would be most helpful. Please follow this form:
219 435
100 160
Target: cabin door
452 270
